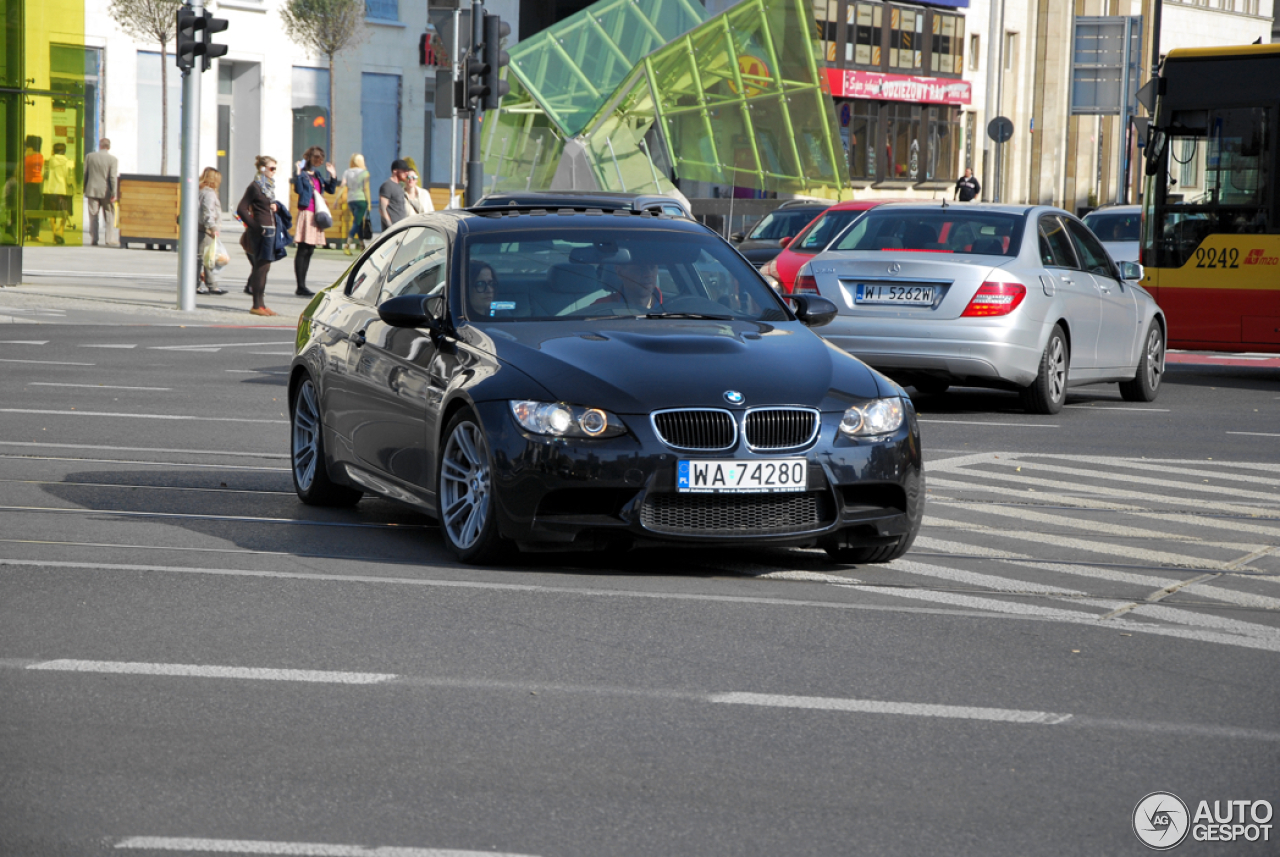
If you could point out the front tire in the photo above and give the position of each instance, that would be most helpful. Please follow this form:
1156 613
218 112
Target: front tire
310 475
1048 391
1145 385
465 494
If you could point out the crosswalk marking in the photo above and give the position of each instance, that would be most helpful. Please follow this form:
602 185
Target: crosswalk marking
295 849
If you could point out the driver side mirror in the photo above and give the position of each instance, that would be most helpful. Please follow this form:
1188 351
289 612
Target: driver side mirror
814 310
736 238
783 242
410 311
1131 271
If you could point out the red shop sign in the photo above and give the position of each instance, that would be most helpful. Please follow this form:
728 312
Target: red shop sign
898 87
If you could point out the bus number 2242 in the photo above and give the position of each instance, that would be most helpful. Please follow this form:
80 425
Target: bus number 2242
1227 257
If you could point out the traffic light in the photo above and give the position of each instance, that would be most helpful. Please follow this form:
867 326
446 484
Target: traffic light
194 38
186 46
211 51
477 88
495 30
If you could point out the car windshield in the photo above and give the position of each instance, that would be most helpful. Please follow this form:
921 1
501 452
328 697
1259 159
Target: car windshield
1114 226
783 223
819 235
934 230
574 273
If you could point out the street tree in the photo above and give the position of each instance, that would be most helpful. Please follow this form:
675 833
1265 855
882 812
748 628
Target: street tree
326 28
152 21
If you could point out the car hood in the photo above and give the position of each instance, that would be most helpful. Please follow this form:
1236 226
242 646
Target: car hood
634 366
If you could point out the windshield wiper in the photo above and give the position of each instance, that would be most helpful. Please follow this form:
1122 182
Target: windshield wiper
698 315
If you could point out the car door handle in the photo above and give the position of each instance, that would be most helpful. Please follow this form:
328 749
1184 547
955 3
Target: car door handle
359 338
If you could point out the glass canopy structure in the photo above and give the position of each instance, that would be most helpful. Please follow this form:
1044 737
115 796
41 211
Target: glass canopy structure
629 94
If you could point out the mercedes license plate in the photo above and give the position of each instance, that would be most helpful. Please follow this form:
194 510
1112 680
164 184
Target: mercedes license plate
754 477
872 293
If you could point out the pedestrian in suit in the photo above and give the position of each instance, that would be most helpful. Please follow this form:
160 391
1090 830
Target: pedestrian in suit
257 211
101 177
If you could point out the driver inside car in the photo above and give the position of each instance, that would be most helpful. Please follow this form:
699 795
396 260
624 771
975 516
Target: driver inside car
637 286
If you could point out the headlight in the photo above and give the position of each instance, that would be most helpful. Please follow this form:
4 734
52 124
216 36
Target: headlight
878 416
560 420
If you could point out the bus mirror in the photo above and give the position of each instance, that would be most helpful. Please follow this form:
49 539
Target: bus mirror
1157 141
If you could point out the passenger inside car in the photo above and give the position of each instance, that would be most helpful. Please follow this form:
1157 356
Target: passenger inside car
636 286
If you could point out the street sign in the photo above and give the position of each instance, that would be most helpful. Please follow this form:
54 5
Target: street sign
442 21
1000 129
1103 50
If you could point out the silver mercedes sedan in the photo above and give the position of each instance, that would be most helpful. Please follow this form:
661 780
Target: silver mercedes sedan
1008 296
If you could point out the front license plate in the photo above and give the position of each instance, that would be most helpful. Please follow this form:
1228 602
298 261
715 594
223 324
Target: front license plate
869 293
743 477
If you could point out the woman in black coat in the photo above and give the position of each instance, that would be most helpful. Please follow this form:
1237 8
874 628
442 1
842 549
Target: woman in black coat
257 211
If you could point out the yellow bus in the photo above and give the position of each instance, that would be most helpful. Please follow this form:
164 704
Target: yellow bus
1211 209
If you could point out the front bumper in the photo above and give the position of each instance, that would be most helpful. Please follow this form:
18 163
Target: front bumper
563 494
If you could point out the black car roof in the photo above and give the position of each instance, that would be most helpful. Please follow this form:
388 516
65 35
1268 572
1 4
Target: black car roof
500 218
611 199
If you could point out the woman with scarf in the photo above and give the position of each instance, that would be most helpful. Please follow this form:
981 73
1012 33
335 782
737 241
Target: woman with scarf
314 177
257 211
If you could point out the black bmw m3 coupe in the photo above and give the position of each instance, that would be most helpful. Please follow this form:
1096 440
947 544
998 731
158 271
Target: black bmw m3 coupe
570 379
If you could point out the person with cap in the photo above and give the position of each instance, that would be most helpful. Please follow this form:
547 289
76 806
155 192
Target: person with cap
391 201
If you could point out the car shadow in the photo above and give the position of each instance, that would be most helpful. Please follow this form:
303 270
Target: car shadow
1260 378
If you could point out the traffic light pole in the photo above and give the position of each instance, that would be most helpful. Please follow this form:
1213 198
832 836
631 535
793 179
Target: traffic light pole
475 166
189 210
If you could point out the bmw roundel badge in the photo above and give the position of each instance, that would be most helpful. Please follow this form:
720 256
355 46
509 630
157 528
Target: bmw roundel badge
733 397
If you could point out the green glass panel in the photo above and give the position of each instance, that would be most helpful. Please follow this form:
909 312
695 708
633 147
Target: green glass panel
11 42
573 67
521 145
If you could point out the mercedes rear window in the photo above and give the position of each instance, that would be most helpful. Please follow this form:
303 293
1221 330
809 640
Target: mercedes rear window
936 230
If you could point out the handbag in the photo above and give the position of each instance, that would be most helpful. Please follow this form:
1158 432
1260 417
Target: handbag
366 228
324 217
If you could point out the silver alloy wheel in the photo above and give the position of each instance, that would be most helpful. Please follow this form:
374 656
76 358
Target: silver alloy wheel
1154 358
306 435
1057 369
464 485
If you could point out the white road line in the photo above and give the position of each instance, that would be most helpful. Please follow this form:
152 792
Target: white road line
24 341
980 457
46 362
910 709
147 487
981 423
1219 472
955 605
1183 485
271 353
1120 408
215 345
1090 546
1057 489
258 371
220 452
118 513
1255 433
138 416
198 671
1100 527
307 849
97 386
123 347
1102 505
245 467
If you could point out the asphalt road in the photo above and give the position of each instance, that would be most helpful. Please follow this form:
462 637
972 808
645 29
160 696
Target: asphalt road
193 662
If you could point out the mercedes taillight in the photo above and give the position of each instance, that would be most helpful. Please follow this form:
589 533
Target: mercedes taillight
993 299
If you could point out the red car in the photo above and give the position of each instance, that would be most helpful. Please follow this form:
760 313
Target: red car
813 239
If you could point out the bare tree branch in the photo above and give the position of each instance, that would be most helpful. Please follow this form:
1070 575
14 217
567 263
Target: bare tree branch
152 21
325 28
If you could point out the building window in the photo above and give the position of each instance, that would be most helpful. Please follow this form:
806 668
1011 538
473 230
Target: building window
906 35
863 126
975 52
310 110
149 114
866 22
944 138
1010 51
826 16
947 51
383 10
903 141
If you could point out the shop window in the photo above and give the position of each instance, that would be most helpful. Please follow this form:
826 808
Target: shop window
863 126
906 36
944 137
866 23
975 52
1010 51
310 97
947 51
903 142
